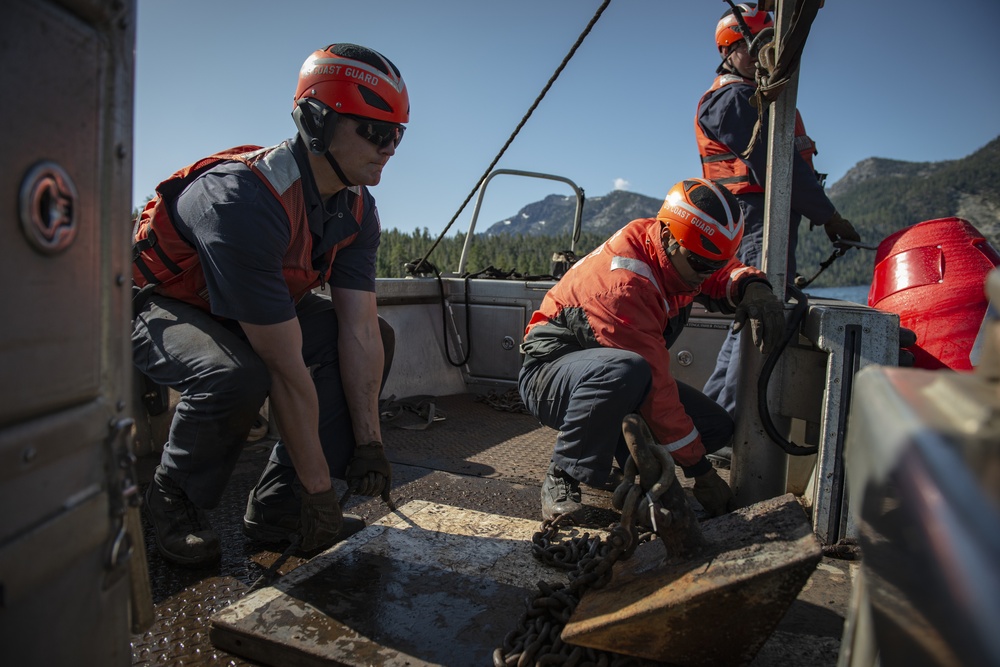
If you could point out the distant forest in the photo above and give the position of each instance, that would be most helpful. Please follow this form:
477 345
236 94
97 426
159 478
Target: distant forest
508 254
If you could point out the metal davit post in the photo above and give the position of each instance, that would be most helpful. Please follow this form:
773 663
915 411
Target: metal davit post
759 466
577 219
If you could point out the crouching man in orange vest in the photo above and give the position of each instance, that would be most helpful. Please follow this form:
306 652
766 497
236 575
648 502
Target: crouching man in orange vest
226 257
598 347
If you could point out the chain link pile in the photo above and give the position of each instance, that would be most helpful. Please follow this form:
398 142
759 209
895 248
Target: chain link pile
589 559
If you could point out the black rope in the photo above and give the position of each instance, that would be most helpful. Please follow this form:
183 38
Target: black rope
791 330
524 120
490 272
468 323
841 246
803 282
742 26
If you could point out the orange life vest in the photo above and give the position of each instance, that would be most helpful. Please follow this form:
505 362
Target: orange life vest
721 165
161 257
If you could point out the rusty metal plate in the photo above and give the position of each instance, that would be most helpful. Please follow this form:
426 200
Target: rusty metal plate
716 609
428 585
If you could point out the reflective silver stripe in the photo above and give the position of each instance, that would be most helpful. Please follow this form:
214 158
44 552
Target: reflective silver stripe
730 223
640 268
729 227
727 79
635 266
683 442
279 167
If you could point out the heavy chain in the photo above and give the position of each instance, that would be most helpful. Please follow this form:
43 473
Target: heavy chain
536 639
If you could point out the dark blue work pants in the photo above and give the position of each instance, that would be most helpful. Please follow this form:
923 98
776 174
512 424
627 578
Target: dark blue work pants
223 383
721 384
585 395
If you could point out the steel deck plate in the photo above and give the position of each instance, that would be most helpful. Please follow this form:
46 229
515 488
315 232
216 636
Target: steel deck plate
429 584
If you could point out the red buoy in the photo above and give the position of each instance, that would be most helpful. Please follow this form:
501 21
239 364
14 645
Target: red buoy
933 275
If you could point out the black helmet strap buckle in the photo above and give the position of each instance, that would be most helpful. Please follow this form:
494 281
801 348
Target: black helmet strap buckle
314 121
317 135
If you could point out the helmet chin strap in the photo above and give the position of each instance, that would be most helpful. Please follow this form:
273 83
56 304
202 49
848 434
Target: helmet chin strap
336 168
725 65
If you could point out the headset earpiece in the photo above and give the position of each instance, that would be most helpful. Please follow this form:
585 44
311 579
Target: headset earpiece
312 133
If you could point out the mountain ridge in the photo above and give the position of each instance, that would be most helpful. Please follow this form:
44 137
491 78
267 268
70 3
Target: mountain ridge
554 214
878 195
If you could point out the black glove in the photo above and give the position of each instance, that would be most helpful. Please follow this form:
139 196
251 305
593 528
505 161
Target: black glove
320 518
713 493
839 229
368 473
766 315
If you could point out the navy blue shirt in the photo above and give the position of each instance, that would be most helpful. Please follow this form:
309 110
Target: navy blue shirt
241 232
728 116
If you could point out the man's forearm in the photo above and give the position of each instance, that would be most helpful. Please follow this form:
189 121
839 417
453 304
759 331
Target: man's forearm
297 410
293 399
361 362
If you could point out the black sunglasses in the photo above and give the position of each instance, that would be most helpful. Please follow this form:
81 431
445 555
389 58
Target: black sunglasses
379 132
699 264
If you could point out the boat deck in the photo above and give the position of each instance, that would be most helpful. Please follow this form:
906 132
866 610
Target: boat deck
476 458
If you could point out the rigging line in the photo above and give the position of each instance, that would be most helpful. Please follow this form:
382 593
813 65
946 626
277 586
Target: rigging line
510 140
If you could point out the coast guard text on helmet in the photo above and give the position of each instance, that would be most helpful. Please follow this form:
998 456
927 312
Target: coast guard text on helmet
351 72
686 215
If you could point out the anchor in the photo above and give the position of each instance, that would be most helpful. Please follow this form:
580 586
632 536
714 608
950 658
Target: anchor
701 594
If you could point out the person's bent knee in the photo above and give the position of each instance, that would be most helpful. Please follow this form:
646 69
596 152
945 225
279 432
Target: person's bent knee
631 374
246 384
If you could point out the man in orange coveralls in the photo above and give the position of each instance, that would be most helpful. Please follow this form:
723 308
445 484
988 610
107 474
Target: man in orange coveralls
598 347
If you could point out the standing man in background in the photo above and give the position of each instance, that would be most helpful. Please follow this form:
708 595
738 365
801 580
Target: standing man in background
226 257
724 124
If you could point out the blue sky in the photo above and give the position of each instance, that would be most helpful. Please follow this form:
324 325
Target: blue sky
914 80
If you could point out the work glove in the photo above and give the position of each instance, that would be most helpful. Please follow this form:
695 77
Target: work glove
766 315
713 493
839 229
368 473
320 518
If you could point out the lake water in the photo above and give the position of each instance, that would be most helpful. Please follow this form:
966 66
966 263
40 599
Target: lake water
852 293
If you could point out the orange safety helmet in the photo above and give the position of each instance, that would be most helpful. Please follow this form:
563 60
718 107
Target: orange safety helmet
727 31
703 217
346 79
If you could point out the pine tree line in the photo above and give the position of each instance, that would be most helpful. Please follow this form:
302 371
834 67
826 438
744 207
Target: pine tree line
526 255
